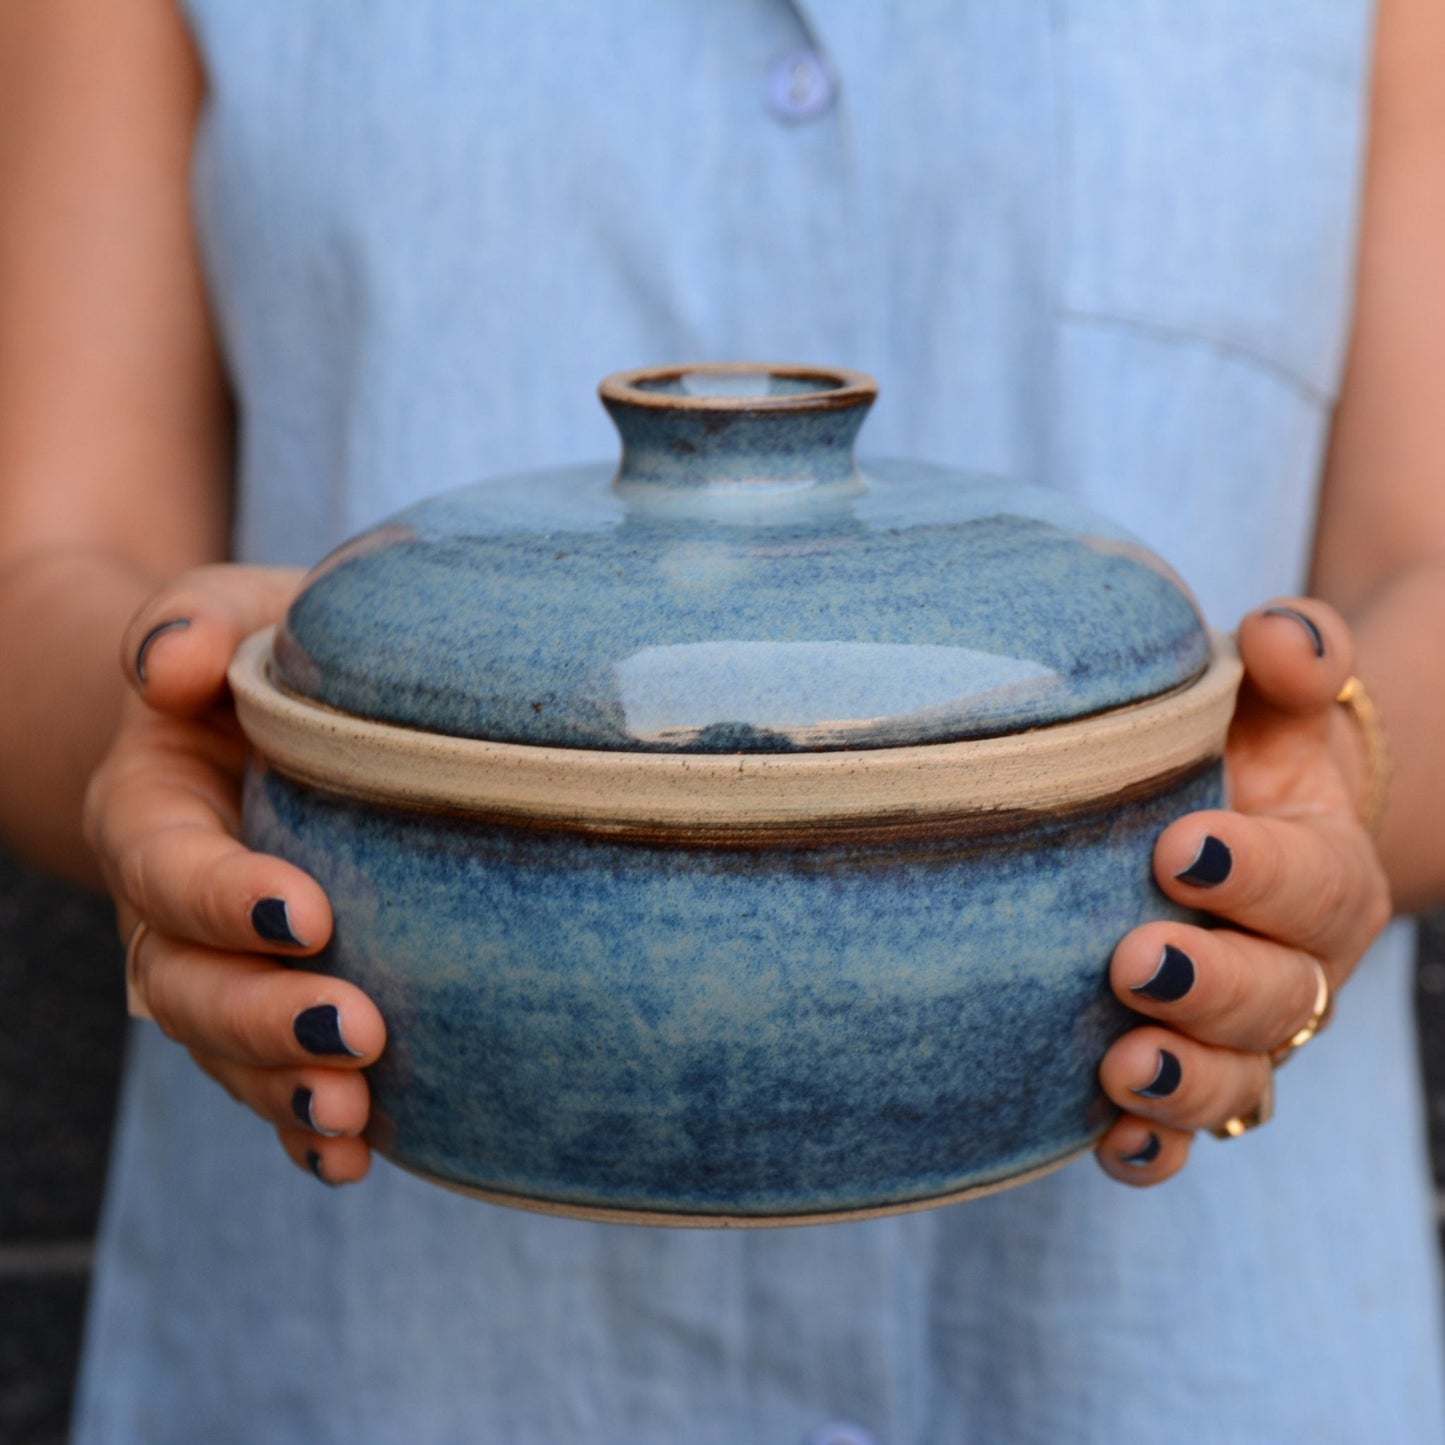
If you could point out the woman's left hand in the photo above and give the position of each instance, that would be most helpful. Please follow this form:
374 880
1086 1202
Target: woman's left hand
1293 879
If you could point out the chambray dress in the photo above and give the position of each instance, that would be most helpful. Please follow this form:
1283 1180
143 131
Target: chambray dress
1106 245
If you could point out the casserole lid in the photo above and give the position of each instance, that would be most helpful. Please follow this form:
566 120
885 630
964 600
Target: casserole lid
739 584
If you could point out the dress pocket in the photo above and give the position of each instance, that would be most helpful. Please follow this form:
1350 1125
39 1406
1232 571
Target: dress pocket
1212 159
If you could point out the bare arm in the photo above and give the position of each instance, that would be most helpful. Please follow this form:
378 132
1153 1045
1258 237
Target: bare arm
1380 552
114 419
1299 889
114 465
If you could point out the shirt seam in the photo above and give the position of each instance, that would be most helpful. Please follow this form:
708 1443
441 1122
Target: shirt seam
1185 335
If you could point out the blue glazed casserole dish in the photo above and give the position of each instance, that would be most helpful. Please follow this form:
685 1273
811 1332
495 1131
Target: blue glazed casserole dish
739 834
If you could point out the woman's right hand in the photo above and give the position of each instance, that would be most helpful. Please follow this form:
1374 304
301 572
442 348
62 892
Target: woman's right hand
162 814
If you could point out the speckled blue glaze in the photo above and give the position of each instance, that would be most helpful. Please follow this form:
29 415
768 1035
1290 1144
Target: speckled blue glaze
704 1031
738 585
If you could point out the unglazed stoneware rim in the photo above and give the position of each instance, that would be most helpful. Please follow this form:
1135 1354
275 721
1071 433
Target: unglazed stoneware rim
677 1219
845 387
743 798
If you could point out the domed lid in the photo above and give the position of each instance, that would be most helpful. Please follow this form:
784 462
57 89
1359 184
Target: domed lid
739 584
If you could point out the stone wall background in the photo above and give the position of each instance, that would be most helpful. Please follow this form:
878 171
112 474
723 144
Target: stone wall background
61 1029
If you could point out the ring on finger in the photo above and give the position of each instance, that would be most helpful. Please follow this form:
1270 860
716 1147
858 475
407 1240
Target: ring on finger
1324 1006
134 1003
1262 1113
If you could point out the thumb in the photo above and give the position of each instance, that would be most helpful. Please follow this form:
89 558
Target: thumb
1297 653
177 647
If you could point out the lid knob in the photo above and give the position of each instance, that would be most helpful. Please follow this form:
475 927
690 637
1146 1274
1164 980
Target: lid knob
736 426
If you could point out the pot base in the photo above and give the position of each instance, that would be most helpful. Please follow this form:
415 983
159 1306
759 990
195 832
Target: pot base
674 1219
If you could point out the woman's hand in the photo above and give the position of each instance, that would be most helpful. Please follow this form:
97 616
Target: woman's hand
1293 878
162 814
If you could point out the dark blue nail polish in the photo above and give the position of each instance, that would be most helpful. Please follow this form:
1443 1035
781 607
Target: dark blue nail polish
1316 636
1211 864
176 624
270 919
313 1163
318 1029
1147 1155
1166 1078
1171 980
301 1107
301 1102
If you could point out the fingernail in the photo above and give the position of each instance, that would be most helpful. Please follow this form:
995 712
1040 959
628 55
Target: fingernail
1316 637
176 624
313 1163
301 1102
318 1029
270 919
1211 864
1147 1155
1171 980
1166 1078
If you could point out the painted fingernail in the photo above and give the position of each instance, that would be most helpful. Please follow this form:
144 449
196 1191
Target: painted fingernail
1147 1155
1166 1078
176 624
301 1102
1316 636
1171 980
1211 864
313 1163
270 919
318 1030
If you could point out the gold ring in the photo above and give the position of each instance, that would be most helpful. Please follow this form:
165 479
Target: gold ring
1354 698
134 1004
1262 1113
1324 1007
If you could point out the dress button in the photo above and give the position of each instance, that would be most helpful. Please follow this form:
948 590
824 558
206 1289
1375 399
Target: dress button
801 86
839 1432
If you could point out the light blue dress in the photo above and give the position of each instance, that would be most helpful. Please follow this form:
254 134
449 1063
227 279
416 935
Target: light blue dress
1106 245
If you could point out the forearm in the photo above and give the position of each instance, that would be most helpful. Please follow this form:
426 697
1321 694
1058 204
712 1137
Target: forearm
1380 550
1398 636
62 611
114 416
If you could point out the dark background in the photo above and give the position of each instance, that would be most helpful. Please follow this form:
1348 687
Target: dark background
61 1027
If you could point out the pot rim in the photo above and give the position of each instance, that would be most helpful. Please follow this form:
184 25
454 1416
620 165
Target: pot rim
836 386
984 785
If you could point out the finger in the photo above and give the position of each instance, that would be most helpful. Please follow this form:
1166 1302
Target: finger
1173 1080
250 1011
332 1161
1297 653
332 1103
178 646
161 820
1216 985
1140 1152
1312 883
189 880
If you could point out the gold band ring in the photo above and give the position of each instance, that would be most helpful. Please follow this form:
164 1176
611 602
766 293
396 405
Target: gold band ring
1319 1016
1361 706
1324 1007
1262 1113
134 1003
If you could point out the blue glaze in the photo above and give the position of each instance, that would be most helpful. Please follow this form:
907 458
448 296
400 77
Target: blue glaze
709 1031
738 585
678 448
